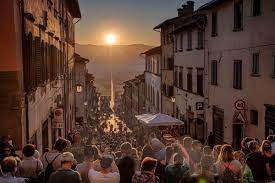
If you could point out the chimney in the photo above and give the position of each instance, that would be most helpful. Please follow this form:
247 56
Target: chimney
186 9
190 5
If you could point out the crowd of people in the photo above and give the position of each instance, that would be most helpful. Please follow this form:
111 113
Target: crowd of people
118 158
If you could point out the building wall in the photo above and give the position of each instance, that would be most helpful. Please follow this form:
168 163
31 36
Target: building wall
153 86
11 76
257 36
166 74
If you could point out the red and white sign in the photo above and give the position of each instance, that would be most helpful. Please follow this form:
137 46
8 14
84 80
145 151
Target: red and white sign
58 120
240 105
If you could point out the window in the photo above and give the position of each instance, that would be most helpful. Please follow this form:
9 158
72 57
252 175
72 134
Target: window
273 66
176 44
200 40
214 24
176 82
254 117
189 80
255 64
180 78
214 72
181 42
238 15
200 82
256 7
237 75
189 40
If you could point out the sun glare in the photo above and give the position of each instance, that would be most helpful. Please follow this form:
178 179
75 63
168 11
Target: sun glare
111 39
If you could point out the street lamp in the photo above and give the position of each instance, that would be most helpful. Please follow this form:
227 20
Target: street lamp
173 99
79 88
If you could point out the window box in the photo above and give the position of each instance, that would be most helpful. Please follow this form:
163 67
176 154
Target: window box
255 75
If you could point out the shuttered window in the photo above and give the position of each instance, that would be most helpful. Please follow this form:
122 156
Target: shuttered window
214 72
200 82
255 63
181 77
189 80
189 40
237 74
256 7
38 62
238 15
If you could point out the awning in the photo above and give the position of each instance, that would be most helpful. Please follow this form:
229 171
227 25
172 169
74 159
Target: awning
158 120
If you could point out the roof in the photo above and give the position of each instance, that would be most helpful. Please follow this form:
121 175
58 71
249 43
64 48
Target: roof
152 51
78 58
168 21
74 9
211 4
196 19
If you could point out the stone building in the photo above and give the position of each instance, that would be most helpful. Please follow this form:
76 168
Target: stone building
41 94
189 72
133 99
167 56
153 80
80 71
240 53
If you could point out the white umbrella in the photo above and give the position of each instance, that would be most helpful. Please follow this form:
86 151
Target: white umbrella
159 120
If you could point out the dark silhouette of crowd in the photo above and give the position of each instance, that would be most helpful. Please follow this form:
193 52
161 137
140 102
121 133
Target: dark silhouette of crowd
119 158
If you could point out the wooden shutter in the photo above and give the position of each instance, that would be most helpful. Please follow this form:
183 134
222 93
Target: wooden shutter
38 62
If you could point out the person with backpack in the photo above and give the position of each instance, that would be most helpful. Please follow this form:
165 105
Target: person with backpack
65 173
179 171
228 169
30 167
257 162
52 160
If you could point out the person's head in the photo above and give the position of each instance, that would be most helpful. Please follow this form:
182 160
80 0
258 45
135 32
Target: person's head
9 165
270 138
36 154
91 153
178 159
266 146
5 149
207 150
67 160
240 156
126 149
60 145
216 151
149 164
226 154
187 143
157 145
245 141
253 146
169 153
127 164
211 133
196 145
106 162
77 138
28 150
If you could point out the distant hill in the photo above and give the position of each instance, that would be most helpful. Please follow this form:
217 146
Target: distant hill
124 60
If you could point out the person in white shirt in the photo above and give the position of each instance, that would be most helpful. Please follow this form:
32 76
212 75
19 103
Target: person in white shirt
108 174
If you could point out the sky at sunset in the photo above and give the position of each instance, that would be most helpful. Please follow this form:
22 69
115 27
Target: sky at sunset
131 20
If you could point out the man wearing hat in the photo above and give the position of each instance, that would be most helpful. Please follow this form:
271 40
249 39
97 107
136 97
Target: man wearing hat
65 173
109 172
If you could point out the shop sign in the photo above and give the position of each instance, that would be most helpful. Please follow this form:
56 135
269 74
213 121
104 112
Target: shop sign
239 105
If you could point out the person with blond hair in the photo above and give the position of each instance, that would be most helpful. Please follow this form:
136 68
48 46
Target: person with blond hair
228 169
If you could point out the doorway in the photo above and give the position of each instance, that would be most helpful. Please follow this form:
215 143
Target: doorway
45 136
237 136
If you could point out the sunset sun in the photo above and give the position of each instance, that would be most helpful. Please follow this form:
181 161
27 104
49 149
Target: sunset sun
111 39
